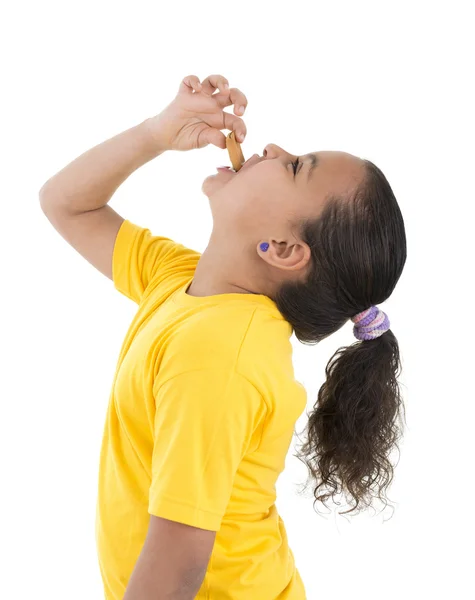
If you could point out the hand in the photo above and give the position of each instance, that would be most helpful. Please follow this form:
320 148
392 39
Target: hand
195 117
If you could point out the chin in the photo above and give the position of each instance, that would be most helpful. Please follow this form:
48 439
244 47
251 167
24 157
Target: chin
211 185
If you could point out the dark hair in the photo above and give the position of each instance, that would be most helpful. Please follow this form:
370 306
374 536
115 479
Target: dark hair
358 251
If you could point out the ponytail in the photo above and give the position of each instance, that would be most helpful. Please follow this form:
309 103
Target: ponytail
355 423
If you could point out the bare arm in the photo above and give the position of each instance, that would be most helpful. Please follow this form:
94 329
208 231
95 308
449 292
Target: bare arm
173 562
75 199
89 181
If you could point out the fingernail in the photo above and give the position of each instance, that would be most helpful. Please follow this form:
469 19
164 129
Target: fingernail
226 86
241 109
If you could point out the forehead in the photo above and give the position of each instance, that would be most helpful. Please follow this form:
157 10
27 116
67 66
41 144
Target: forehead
335 158
339 163
336 172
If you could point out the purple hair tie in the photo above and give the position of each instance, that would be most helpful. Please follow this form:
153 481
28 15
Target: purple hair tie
370 323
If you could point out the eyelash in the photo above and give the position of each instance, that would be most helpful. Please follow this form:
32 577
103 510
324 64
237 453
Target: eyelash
295 165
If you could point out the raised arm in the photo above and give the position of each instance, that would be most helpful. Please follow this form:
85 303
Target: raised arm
75 199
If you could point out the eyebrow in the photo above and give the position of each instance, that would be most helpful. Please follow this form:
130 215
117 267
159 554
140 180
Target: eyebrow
315 162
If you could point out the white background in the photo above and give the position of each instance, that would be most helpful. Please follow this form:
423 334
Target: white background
388 81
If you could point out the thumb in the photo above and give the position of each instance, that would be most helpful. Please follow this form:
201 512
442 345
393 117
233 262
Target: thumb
215 137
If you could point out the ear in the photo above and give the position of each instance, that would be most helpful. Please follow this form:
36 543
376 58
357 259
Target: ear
287 255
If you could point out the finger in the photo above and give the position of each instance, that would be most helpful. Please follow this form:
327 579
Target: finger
190 84
235 124
214 82
235 97
213 136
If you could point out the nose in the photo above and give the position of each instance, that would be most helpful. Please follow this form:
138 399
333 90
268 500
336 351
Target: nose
274 151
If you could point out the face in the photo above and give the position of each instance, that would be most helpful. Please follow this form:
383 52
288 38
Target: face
259 202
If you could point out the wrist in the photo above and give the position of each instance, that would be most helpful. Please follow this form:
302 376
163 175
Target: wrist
154 135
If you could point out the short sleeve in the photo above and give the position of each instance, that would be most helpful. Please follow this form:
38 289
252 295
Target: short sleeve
139 256
204 424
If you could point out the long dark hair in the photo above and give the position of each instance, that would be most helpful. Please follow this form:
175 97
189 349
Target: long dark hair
358 251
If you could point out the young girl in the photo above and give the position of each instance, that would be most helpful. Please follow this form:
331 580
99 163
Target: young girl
204 400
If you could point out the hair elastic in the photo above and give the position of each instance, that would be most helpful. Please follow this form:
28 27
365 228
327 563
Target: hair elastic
370 323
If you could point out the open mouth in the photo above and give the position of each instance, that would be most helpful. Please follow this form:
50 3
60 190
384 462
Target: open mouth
230 169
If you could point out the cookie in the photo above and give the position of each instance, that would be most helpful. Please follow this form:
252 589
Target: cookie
235 153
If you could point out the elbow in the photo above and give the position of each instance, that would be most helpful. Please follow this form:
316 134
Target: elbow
43 189
49 198
43 194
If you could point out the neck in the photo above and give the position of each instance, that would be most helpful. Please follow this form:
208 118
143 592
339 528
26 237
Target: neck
212 277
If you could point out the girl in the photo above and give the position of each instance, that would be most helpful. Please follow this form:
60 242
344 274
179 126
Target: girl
204 399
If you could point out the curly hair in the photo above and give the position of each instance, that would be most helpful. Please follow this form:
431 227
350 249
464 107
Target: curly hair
358 251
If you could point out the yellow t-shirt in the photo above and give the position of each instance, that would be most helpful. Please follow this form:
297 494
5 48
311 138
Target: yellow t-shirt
200 419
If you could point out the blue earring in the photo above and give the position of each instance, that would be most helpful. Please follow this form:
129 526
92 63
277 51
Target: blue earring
264 246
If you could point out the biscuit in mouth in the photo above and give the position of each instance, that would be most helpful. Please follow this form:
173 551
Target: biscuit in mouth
234 150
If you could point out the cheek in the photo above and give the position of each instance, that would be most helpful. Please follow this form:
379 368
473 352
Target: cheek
249 199
252 212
